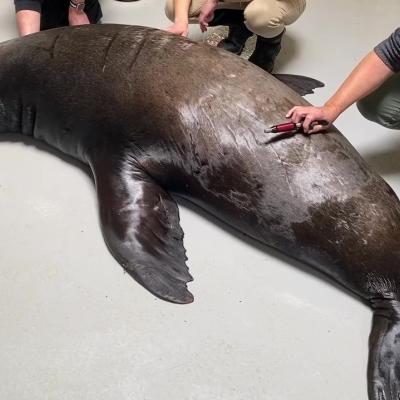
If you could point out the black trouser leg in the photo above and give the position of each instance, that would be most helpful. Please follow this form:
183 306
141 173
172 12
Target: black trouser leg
265 52
238 32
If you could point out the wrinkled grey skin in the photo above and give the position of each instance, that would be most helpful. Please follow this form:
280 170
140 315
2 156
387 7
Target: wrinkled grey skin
154 114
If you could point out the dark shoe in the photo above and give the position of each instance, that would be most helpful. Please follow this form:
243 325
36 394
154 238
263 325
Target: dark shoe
236 39
238 33
266 51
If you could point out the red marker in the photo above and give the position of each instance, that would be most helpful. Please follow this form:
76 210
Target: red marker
287 127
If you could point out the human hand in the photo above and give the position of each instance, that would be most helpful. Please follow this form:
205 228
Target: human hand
207 13
179 28
311 117
77 17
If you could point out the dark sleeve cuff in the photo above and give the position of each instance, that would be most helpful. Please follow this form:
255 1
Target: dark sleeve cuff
32 5
389 51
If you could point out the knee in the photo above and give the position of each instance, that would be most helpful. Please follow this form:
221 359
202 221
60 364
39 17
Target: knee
388 118
367 110
169 10
265 21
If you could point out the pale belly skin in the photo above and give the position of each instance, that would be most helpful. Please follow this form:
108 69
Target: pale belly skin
154 114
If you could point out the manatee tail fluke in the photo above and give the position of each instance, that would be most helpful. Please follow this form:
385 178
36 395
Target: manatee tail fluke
384 351
300 84
140 224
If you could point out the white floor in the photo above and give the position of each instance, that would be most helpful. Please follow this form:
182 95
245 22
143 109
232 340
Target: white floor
74 326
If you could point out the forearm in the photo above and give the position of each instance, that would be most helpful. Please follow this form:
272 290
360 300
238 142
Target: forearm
28 14
28 22
369 74
182 10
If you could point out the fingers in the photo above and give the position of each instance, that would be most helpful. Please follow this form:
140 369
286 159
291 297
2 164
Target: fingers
203 26
204 18
297 114
307 123
290 112
177 32
171 29
313 119
318 128
294 112
178 29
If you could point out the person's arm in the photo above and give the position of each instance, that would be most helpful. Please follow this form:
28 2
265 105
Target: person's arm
369 74
207 13
77 17
372 71
28 16
181 21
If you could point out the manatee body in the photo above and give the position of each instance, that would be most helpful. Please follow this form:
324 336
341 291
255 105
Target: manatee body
155 114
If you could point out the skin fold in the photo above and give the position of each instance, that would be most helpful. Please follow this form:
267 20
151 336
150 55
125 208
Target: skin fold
156 115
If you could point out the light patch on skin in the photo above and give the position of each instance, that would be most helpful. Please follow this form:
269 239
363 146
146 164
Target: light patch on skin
377 284
317 182
163 40
186 45
196 118
312 184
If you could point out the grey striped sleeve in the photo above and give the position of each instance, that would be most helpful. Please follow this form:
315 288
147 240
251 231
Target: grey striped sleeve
389 51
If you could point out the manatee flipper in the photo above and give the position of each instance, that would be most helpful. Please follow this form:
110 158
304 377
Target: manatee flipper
140 224
300 84
384 351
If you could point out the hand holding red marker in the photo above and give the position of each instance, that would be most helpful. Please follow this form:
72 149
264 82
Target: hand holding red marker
314 119
292 127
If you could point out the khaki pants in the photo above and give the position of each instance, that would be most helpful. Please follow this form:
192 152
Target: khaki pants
266 18
383 105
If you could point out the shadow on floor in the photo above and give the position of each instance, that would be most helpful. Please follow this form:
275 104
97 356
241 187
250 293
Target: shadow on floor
385 161
290 50
27 141
13 138
268 250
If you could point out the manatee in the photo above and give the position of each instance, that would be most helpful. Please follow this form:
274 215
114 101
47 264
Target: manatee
157 116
